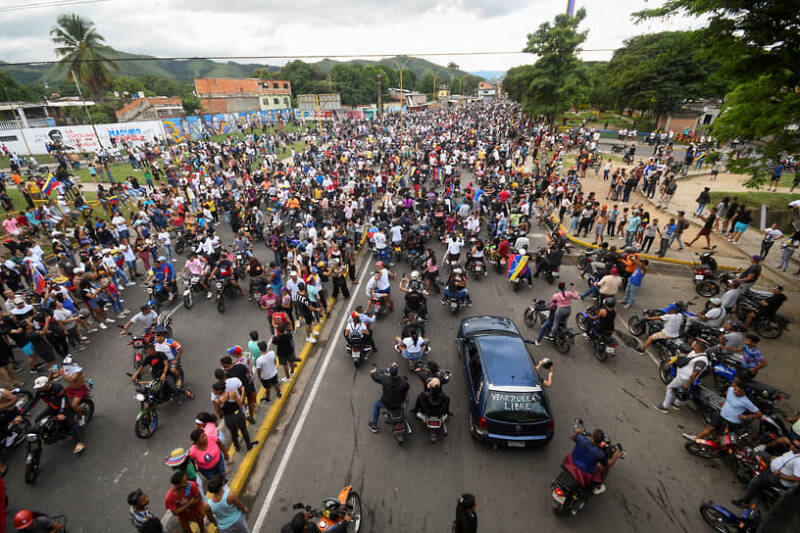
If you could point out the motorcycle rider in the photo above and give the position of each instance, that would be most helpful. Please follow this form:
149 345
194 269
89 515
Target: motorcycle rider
159 365
26 520
603 320
560 309
412 347
715 315
171 349
302 523
415 299
476 255
550 261
731 296
454 244
223 270
355 325
673 320
525 273
164 275
57 403
456 287
607 286
733 338
735 412
197 265
783 471
768 306
692 367
433 402
394 392
587 463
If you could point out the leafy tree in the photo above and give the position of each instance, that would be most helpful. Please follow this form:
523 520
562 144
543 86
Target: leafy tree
303 76
425 84
128 84
78 45
190 103
598 94
558 74
11 91
517 81
757 45
657 72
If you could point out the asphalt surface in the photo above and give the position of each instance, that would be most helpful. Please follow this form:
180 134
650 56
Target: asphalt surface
643 151
91 489
657 487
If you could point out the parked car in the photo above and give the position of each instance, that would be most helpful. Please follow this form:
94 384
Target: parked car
507 403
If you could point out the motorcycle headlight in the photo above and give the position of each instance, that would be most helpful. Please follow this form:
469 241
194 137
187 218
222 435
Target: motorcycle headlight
195 279
31 437
139 397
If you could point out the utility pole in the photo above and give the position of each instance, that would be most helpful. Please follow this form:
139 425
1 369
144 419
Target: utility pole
319 119
15 110
380 102
86 109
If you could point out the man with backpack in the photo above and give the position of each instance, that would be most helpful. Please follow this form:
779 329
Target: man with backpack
687 369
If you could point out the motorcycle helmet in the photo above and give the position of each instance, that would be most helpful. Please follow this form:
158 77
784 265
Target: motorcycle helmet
457 270
610 302
680 305
414 275
379 265
23 519
735 283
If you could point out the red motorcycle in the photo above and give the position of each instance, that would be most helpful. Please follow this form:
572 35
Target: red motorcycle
744 461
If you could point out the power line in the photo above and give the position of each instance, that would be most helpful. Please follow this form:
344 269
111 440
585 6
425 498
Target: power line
53 3
312 56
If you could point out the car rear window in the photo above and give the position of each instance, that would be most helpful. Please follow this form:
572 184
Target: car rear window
518 407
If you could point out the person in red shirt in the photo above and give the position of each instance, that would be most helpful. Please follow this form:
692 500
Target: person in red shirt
184 501
504 195
503 248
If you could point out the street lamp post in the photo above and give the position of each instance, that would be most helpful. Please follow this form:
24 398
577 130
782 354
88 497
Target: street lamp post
401 67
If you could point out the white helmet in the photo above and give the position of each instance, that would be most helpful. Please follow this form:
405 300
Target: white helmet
522 251
414 275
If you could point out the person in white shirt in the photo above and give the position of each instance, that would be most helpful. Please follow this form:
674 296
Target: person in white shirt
715 316
783 471
685 375
267 370
673 320
412 348
454 245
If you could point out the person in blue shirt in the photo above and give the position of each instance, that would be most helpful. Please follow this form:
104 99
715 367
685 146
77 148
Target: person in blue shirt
634 282
164 275
752 360
590 459
736 410
666 236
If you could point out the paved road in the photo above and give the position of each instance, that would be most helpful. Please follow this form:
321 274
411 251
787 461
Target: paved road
658 487
92 488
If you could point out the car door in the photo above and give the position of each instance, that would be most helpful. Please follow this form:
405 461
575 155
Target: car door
475 373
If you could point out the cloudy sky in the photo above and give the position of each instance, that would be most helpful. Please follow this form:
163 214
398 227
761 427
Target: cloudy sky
309 27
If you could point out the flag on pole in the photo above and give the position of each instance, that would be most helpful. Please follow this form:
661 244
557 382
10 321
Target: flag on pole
516 264
571 8
38 281
50 184
436 175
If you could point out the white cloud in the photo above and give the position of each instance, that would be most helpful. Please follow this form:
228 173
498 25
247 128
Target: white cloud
305 27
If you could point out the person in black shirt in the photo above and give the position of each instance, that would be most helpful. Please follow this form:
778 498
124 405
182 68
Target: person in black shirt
240 371
768 306
284 343
159 365
57 403
466 518
705 231
394 392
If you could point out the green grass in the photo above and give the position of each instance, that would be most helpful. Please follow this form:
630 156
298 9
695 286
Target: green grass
90 196
754 199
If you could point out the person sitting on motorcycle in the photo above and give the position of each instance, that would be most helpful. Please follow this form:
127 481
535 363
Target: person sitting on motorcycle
607 286
412 347
76 389
303 523
767 307
715 315
456 287
159 365
241 244
603 320
381 250
30 522
415 298
171 349
733 337
432 402
431 271
394 392
223 270
454 245
56 403
550 261
673 321
163 273
525 273
591 460
414 243
355 327
476 254
731 296
697 362
735 412
197 265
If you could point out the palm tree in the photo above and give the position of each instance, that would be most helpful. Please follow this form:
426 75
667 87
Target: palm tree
79 48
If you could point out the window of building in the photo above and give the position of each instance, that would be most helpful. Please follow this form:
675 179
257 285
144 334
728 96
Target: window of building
276 101
265 85
286 102
285 85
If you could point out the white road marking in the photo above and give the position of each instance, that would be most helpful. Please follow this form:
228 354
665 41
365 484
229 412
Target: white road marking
276 480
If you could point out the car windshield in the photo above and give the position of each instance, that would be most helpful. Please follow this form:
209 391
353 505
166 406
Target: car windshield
516 407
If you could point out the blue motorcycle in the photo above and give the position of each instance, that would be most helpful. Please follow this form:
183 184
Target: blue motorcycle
725 521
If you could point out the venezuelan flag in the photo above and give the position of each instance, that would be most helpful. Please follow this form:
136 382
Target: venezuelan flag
516 264
50 184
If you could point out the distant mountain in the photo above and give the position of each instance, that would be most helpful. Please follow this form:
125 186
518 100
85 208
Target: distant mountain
490 74
174 70
416 65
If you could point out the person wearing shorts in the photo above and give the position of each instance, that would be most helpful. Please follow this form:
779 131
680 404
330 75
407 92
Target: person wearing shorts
267 371
284 348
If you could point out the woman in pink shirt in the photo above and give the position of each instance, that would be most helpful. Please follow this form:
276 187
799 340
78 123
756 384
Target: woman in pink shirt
560 309
10 225
206 451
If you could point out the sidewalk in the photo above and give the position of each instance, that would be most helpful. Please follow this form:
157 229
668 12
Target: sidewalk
689 188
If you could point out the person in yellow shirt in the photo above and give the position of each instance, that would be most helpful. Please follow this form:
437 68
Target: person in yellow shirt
293 203
34 189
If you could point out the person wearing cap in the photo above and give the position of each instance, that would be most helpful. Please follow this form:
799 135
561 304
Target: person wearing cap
767 307
163 273
750 276
139 510
715 315
687 371
607 286
394 392
72 374
782 472
731 296
56 404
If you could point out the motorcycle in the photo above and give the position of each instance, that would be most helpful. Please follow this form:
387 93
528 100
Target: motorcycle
478 269
585 261
16 431
454 304
191 285
223 287
733 446
358 348
240 266
706 281
435 424
603 344
154 296
705 400
771 327
181 241
638 326
258 286
397 252
150 393
378 307
334 509
568 496
725 521
49 430
563 338
543 263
